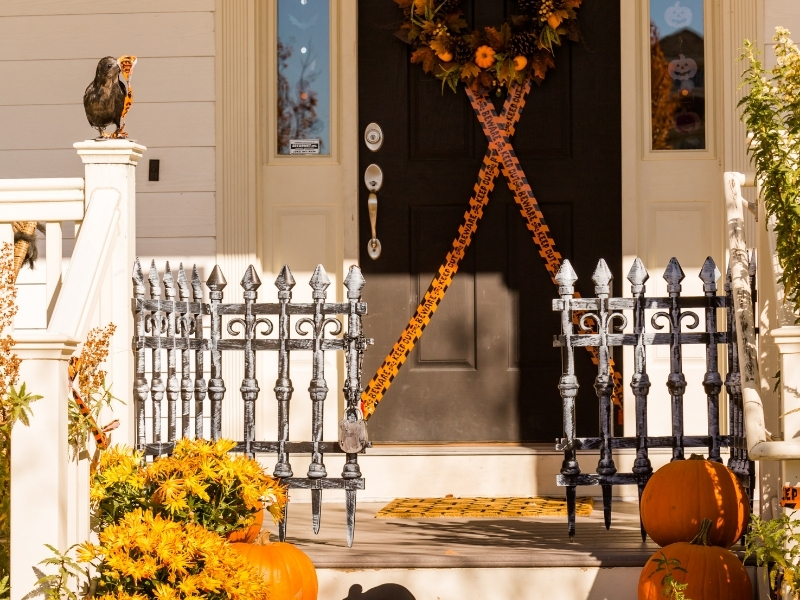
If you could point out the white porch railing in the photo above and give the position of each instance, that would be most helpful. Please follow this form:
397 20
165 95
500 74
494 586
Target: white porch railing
49 495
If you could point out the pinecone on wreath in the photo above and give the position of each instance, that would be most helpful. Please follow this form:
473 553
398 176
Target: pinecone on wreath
529 7
463 51
448 7
522 44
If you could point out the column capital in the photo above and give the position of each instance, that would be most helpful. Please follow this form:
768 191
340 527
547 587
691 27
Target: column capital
787 339
111 151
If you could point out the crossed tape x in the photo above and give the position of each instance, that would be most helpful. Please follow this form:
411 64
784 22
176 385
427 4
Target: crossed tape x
499 129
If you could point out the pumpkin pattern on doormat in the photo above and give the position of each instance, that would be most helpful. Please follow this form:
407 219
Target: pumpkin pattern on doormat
453 508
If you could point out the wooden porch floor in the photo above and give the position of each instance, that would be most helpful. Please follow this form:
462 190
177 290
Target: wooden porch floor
468 543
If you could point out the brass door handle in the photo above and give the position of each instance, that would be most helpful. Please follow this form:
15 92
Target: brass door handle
373 177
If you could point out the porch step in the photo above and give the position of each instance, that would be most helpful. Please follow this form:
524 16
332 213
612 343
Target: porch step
472 559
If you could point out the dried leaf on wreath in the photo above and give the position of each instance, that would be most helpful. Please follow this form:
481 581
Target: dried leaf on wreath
404 35
572 3
469 70
429 27
426 56
456 22
438 46
493 37
505 71
403 3
420 6
541 62
548 37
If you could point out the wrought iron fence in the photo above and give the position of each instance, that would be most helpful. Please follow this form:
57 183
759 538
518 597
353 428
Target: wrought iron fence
177 328
599 322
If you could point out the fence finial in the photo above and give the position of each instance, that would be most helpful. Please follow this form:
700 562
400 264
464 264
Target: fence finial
250 282
751 267
319 283
285 281
709 274
169 283
673 275
197 287
155 282
138 278
566 279
183 284
602 278
354 282
216 281
638 276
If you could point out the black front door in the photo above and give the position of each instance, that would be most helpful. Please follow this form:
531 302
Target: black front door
485 368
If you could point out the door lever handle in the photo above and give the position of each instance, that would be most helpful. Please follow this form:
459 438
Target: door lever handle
373 177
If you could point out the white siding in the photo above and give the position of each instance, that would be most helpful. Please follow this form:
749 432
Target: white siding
48 53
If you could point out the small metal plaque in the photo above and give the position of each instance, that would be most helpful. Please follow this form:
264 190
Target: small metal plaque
304 146
790 497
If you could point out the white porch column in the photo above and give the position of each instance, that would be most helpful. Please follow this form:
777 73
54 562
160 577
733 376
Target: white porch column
788 341
39 459
112 164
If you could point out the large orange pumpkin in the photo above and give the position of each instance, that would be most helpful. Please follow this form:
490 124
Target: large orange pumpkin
683 493
285 568
712 573
248 535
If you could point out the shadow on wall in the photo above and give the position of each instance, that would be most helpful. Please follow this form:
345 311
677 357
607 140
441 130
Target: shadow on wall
386 591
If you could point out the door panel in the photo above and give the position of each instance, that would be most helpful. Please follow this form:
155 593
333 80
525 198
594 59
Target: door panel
485 368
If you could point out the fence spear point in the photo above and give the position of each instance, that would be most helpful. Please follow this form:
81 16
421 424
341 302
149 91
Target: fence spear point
285 280
155 282
566 275
250 282
751 268
137 276
319 280
673 275
169 282
638 275
354 282
602 277
216 281
709 275
183 284
197 288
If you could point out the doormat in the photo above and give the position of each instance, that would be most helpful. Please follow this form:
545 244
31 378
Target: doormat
454 508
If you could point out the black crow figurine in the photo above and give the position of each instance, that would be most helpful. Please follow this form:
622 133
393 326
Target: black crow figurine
104 99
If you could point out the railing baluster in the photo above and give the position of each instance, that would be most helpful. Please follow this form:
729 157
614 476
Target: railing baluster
158 326
676 382
568 388
184 325
250 284
173 388
283 385
712 381
216 385
356 344
200 386
140 386
732 381
640 382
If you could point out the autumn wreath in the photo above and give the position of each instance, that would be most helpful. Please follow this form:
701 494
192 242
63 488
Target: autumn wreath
490 58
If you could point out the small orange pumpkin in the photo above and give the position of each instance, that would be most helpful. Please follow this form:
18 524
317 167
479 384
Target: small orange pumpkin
520 62
712 573
249 534
286 569
554 21
484 57
684 492
445 56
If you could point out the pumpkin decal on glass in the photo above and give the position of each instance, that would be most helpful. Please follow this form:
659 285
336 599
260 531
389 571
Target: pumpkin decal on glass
286 569
678 16
710 572
684 492
682 68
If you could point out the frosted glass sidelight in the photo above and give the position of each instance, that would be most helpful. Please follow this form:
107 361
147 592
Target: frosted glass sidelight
677 74
304 77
